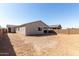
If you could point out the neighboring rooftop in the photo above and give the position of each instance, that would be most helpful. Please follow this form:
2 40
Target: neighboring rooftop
11 25
55 26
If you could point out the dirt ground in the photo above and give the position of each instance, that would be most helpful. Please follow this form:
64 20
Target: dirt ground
51 45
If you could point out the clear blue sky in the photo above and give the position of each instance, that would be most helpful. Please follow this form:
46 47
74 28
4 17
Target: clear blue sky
65 14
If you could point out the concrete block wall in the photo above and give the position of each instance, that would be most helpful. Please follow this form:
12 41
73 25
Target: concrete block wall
67 31
2 32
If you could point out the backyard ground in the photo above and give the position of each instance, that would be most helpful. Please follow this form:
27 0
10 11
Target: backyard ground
50 45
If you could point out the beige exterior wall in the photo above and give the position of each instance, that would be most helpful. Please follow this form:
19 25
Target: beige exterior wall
21 30
32 29
12 29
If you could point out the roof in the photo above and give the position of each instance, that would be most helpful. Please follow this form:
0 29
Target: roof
11 25
31 23
55 26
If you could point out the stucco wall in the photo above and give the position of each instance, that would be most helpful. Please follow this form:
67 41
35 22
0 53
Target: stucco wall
21 30
32 29
12 29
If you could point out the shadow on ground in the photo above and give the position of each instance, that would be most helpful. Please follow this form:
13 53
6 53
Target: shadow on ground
6 48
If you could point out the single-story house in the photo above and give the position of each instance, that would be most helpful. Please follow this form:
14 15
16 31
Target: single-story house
55 27
33 28
11 28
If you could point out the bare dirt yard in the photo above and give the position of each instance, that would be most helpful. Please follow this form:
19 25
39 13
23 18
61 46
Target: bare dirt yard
51 45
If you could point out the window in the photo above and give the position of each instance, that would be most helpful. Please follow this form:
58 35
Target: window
39 29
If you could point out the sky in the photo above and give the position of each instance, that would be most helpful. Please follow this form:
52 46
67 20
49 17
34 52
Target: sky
50 13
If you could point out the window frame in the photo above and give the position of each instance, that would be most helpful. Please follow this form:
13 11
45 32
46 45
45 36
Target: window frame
39 29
